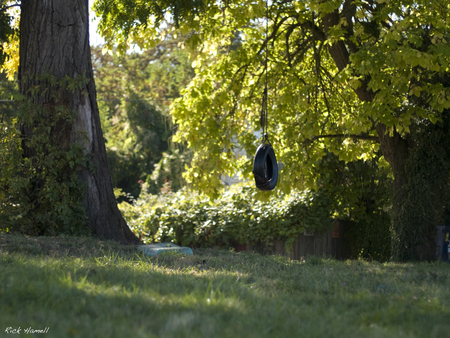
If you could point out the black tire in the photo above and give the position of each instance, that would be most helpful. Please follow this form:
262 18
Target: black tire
265 167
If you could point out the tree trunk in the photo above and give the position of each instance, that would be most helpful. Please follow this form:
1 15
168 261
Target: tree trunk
54 39
420 167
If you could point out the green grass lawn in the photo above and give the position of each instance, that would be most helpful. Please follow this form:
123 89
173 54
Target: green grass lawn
82 287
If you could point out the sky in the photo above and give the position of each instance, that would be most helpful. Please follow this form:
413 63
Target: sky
94 38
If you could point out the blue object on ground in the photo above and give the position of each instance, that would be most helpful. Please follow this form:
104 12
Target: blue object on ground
157 248
443 243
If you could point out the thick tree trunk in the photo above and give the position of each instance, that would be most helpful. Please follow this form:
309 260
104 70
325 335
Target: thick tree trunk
54 39
420 166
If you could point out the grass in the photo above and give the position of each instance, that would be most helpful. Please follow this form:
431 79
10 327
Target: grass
82 287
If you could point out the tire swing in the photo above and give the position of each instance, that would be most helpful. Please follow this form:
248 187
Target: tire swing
265 166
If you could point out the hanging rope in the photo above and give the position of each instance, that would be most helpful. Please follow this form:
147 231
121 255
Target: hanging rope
265 166
264 111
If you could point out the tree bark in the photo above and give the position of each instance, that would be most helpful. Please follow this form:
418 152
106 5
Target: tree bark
54 39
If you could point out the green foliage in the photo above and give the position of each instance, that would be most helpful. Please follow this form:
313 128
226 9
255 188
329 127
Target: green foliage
5 28
360 192
135 139
169 169
396 50
40 192
237 216
358 189
219 110
427 191
356 192
8 108
135 91
10 153
139 20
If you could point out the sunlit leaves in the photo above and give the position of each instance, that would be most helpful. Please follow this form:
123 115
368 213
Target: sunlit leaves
405 63
397 51
9 38
138 20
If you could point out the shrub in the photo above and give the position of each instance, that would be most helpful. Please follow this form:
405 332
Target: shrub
190 219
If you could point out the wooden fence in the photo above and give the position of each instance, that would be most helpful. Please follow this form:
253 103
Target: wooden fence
330 244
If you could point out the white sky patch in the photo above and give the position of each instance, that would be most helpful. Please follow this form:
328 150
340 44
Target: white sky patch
94 38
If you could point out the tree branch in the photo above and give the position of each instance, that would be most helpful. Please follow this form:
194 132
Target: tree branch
11 6
353 136
287 36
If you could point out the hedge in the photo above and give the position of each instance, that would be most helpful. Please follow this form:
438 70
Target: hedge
237 217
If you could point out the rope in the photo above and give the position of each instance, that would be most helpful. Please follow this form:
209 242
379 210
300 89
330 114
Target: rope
264 104
265 165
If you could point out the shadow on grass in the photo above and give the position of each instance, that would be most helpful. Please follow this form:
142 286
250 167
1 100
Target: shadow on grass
61 246
109 300
110 290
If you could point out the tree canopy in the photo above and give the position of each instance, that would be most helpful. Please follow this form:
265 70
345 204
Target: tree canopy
337 71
